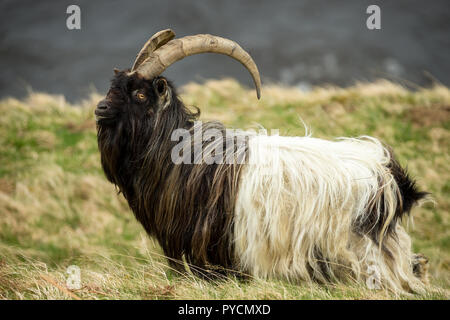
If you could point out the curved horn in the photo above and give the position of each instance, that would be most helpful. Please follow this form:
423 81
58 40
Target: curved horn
160 59
157 40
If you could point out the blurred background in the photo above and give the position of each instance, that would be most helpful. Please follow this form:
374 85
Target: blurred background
299 43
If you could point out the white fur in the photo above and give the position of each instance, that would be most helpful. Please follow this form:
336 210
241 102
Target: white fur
299 196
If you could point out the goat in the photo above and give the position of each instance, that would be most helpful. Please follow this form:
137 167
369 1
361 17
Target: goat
297 208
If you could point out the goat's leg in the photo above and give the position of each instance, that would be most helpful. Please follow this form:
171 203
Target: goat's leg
176 263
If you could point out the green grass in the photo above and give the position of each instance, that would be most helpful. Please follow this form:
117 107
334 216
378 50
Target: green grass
57 209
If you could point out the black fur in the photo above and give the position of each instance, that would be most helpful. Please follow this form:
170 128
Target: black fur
187 207
408 188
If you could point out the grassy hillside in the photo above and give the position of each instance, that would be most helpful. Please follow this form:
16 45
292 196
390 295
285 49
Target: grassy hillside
57 209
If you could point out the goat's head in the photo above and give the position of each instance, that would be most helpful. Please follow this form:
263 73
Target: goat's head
133 101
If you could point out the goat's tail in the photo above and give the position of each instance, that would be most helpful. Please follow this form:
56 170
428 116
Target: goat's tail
397 195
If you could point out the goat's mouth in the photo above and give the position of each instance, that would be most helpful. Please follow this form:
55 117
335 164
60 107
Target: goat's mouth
104 116
104 112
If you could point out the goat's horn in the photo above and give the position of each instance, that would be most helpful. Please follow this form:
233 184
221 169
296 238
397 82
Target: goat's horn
157 40
160 59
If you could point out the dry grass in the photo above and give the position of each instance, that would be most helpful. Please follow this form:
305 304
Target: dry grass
57 209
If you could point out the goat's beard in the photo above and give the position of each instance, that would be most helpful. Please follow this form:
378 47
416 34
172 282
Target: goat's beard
123 144
116 146
302 208
109 145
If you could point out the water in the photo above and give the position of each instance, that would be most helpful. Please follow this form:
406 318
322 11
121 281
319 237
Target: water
300 43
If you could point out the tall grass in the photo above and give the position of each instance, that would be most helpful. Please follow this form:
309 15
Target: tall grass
57 209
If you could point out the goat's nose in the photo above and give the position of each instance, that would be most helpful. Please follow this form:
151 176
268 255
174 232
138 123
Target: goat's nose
102 105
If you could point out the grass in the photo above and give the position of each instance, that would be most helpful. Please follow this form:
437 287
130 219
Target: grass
57 209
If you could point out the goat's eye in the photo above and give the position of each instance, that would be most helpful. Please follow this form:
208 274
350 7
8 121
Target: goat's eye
139 96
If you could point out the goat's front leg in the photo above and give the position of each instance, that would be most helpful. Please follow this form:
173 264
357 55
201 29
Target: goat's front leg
176 263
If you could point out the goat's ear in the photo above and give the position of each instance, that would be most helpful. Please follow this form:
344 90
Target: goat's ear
163 91
161 87
116 71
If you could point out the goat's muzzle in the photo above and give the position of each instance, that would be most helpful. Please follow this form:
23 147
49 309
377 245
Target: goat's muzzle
102 112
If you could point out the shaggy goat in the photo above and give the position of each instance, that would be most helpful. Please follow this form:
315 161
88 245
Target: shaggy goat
293 207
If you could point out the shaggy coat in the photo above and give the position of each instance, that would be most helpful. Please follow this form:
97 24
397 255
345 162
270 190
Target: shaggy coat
297 207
